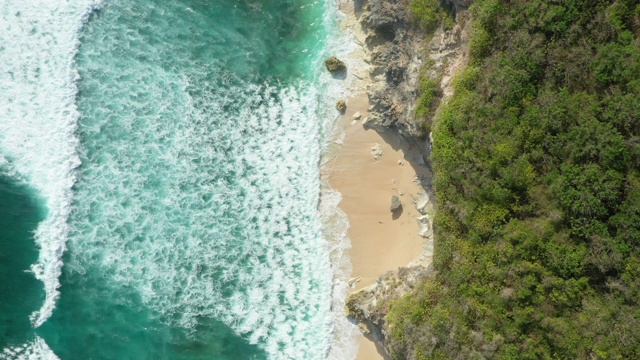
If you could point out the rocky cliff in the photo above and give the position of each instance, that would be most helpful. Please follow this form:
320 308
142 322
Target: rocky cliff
396 49
396 54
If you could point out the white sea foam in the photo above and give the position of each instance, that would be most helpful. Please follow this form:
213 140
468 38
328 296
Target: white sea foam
210 211
38 41
34 350
344 344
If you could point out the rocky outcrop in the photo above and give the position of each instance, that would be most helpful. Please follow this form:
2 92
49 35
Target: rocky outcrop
333 64
449 52
369 306
397 57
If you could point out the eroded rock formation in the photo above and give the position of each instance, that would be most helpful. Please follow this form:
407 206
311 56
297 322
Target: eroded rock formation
397 54
370 306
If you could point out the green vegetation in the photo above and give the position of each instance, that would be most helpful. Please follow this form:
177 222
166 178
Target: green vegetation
430 95
537 160
429 14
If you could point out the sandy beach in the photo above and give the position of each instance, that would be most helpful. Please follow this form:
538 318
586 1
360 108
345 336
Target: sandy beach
380 240
368 169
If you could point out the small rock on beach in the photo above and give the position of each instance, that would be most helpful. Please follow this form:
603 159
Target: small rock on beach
395 203
376 151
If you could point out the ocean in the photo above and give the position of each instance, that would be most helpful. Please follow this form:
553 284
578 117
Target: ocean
160 189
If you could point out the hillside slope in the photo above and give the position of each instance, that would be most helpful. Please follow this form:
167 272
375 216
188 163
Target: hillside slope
537 165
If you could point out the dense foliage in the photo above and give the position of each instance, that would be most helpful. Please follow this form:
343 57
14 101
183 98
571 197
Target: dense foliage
537 160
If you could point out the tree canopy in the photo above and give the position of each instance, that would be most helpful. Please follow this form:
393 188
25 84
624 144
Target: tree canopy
537 179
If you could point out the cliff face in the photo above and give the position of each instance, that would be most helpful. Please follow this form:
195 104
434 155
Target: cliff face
396 47
398 53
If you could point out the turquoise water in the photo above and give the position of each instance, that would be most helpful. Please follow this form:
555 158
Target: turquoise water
20 293
180 168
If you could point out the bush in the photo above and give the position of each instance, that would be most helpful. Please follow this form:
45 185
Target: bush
430 14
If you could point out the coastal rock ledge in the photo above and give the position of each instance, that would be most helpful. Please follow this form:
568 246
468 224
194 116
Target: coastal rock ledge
369 306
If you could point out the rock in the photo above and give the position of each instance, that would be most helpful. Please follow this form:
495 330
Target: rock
395 203
459 5
357 116
397 58
369 121
400 162
373 122
388 108
341 105
353 281
381 18
376 151
421 202
334 64
425 226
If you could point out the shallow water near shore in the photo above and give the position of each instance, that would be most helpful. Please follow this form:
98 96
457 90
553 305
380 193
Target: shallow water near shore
182 177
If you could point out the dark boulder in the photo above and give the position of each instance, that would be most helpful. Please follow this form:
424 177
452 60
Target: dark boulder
333 64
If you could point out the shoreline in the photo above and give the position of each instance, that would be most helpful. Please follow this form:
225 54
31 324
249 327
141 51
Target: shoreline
367 168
